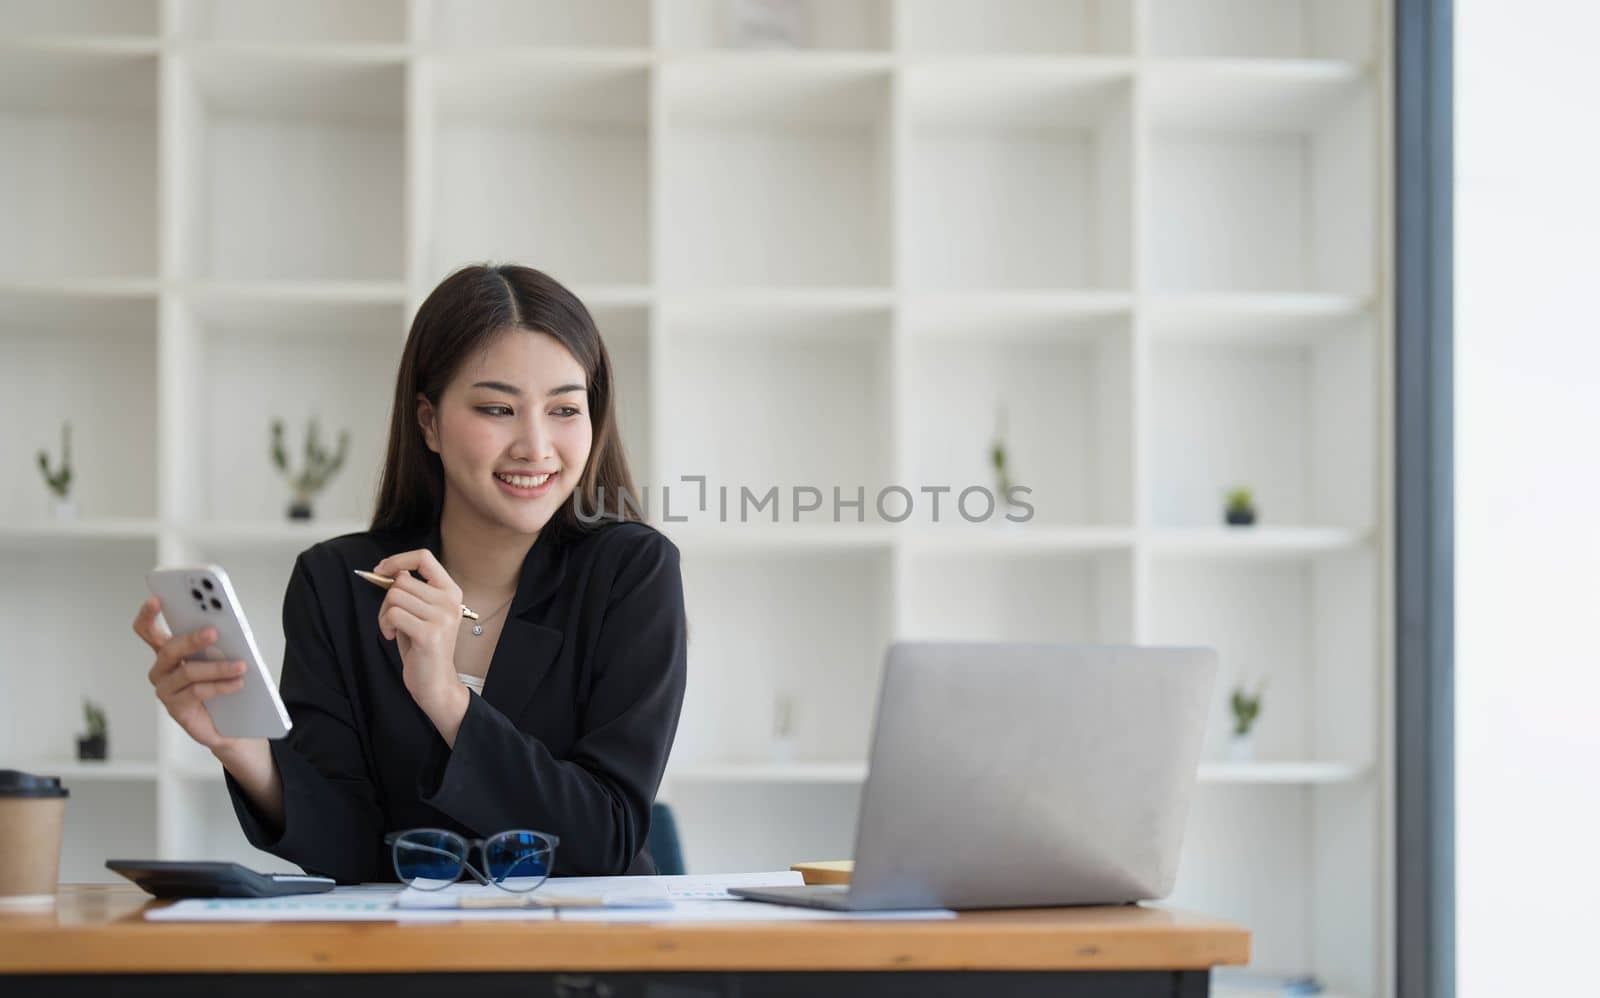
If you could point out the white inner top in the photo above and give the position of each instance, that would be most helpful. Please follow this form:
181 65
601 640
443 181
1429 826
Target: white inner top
473 683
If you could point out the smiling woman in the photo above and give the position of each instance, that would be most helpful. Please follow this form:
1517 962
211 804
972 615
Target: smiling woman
557 709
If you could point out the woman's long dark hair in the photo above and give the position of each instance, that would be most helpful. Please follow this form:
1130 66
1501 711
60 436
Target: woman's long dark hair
462 315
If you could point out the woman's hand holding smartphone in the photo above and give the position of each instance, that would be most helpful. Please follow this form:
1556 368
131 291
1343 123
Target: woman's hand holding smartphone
183 681
183 684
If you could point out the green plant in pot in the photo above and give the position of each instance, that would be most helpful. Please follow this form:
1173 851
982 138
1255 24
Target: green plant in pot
59 480
1244 704
319 466
1240 510
92 744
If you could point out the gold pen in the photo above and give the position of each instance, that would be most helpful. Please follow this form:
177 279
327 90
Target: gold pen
384 582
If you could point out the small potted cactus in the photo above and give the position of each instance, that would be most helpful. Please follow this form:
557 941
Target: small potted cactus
1245 706
59 480
1240 510
92 746
319 466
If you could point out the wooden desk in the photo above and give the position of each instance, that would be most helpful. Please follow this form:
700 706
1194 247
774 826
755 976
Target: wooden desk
98 930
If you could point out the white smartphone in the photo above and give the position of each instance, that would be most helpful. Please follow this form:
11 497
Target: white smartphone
194 597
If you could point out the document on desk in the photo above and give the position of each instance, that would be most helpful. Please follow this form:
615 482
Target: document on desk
570 899
602 892
342 904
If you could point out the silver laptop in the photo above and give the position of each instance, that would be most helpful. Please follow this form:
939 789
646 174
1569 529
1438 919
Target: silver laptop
1018 775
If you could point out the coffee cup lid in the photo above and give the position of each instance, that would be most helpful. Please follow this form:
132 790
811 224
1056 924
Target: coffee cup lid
15 783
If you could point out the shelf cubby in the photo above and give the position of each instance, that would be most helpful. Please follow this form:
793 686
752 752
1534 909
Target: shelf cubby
1065 383
1042 159
1017 27
1305 626
88 361
106 820
1252 832
587 24
230 366
55 656
774 175
739 827
78 181
545 162
1260 179
1254 854
826 25
296 164
814 627
1259 29
1294 422
1018 596
739 380
292 21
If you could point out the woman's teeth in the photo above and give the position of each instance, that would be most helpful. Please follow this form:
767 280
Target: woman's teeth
523 481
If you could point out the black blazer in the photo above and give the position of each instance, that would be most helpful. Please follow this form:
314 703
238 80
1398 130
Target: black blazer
570 736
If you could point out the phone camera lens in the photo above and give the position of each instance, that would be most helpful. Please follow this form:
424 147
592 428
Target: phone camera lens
215 604
207 584
196 594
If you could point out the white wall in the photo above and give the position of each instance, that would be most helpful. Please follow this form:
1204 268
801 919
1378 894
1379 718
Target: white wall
1528 507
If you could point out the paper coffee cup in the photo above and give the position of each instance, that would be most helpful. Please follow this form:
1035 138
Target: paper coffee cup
32 812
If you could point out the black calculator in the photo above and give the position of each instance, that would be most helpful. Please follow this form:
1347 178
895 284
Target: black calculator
175 879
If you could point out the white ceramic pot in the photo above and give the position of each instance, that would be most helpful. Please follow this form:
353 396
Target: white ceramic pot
1242 748
783 751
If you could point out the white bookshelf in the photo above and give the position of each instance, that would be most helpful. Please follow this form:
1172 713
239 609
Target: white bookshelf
1154 228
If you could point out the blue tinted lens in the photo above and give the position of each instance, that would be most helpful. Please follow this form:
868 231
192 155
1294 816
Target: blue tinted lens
428 860
518 861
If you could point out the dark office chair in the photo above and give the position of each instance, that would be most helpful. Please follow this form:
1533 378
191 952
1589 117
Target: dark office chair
663 840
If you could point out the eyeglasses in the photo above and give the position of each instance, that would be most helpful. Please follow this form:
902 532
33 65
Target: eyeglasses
431 859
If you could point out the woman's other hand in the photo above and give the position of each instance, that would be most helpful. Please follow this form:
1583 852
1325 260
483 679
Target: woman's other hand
423 616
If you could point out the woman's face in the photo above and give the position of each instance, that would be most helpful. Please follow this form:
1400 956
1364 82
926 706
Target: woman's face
512 415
